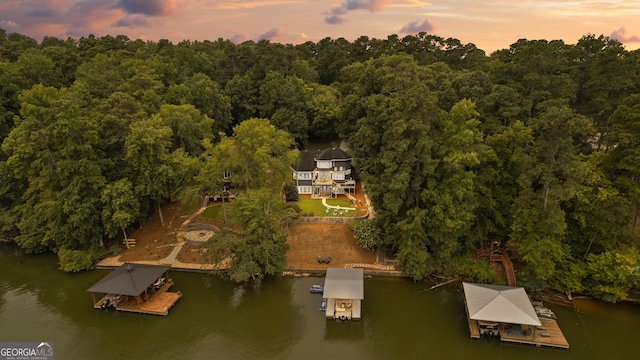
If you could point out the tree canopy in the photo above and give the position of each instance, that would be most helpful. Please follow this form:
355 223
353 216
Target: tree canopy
535 146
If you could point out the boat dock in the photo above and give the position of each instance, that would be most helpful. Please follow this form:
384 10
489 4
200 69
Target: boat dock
158 303
549 334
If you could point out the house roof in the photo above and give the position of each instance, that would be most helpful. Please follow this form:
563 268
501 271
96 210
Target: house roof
332 154
499 304
306 161
129 279
344 284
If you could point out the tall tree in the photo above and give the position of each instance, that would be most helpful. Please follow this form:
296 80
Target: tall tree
52 148
148 158
555 171
259 248
257 155
120 207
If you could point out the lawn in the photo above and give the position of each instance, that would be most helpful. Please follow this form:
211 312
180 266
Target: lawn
213 213
307 206
315 207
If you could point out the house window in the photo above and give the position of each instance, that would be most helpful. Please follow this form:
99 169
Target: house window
226 174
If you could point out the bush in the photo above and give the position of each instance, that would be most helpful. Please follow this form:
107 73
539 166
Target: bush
115 250
475 269
366 233
290 191
79 260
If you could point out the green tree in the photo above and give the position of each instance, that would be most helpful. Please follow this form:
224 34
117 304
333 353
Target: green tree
148 159
259 248
120 207
611 275
623 155
257 155
189 127
52 149
554 172
282 100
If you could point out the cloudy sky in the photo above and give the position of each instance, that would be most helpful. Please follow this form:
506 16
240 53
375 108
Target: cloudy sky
490 24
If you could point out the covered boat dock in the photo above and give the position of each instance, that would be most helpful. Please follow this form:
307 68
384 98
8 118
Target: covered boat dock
138 288
507 312
344 291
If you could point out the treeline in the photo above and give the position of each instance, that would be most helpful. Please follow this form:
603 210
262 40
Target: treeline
536 146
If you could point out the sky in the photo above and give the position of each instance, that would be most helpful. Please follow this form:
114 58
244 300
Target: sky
489 24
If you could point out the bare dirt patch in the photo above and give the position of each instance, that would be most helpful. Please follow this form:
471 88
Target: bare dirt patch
308 241
153 241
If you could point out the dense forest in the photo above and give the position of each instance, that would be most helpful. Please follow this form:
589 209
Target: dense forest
536 146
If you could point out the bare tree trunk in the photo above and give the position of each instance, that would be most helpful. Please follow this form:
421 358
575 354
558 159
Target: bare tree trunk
159 208
589 247
546 198
224 209
126 238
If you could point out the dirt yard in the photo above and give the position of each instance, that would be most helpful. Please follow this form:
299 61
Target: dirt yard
306 243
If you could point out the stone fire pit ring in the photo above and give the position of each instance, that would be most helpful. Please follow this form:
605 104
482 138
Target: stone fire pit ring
198 234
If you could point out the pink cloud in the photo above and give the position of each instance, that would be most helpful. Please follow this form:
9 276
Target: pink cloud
417 27
336 15
272 34
239 38
131 21
621 36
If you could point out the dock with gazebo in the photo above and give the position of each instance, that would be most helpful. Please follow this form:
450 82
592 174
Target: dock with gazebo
138 288
507 312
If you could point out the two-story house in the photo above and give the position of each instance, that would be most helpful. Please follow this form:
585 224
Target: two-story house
324 173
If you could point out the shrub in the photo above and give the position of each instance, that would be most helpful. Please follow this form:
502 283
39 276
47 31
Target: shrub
475 269
290 191
366 233
79 260
74 260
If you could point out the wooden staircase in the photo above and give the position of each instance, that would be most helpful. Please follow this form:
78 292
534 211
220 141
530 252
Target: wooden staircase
502 257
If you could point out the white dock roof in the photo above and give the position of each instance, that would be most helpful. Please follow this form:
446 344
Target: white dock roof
500 304
344 284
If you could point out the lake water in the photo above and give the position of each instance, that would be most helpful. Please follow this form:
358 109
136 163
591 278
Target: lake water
217 319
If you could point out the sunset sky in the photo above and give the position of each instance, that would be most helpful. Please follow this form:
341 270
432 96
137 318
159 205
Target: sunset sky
490 24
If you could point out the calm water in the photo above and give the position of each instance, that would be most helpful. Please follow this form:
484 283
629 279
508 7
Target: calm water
279 320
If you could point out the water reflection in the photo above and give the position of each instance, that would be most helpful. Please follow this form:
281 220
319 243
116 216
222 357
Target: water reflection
278 319
344 330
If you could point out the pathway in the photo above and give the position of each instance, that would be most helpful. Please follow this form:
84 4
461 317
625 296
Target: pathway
171 259
371 266
338 207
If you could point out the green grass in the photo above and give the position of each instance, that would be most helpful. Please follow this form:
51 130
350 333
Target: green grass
213 213
315 207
